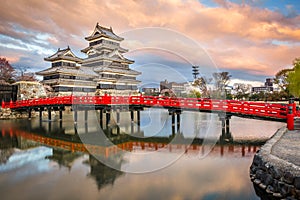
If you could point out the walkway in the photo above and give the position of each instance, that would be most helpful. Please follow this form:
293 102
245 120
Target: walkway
276 167
288 147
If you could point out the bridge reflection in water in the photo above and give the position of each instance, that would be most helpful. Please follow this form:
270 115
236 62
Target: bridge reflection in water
69 159
68 147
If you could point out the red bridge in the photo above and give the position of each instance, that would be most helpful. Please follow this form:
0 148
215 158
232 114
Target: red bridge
261 110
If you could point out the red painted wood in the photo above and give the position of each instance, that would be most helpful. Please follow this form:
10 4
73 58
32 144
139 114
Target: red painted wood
273 110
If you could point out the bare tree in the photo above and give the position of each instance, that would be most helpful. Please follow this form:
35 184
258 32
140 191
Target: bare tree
241 90
24 75
221 81
7 72
201 83
281 79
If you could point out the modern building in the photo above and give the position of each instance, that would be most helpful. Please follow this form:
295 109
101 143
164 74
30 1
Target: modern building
104 71
172 87
267 88
150 91
269 82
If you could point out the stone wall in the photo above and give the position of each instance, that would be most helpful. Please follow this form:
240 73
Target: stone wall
278 178
30 90
6 113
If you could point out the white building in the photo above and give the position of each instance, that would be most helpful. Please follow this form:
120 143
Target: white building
104 71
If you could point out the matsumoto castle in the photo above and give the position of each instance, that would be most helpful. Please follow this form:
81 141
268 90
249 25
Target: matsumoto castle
104 71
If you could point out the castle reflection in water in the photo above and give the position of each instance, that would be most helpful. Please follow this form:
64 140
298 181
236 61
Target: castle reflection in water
68 145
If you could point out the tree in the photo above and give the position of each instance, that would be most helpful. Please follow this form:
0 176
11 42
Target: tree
194 94
28 76
261 96
201 83
23 75
281 79
7 72
221 81
241 90
294 79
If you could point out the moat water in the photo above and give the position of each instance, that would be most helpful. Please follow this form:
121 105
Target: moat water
146 160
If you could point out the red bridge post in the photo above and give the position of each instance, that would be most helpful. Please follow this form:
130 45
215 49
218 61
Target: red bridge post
290 115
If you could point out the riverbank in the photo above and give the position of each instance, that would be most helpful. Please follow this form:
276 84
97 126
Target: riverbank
276 167
6 113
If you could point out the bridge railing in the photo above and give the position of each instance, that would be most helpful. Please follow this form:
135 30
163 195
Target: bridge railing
232 106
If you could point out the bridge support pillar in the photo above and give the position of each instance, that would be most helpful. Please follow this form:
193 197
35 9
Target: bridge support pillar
225 123
101 117
173 123
138 117
118 130
41 114
75 115
49 126
40 123
132 128
132 116
49 113
29 113
178 122
107 117
118 117
175 115
86 115
75 129
118 121
60 114
86 127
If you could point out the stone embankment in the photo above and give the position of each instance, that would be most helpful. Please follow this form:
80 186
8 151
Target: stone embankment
6 113
275 170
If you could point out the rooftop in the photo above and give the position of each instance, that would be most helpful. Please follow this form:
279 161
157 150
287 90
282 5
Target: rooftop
117 70
63 54
101 31
85 71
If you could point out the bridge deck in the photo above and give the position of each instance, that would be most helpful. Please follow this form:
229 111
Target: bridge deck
260 110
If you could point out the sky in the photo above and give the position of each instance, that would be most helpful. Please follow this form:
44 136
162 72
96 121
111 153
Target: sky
251 39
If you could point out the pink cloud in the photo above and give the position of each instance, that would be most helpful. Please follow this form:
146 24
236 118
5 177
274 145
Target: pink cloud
237 36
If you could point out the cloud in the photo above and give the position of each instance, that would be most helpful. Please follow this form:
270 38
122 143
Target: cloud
237 36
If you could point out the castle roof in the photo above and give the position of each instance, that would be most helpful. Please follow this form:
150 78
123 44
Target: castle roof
63 54
104 46
101 31
112 69
78 71
111 56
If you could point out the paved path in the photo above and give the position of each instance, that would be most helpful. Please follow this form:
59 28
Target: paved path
288 147
275 170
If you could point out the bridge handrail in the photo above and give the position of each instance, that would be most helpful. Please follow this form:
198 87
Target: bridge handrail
274 110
